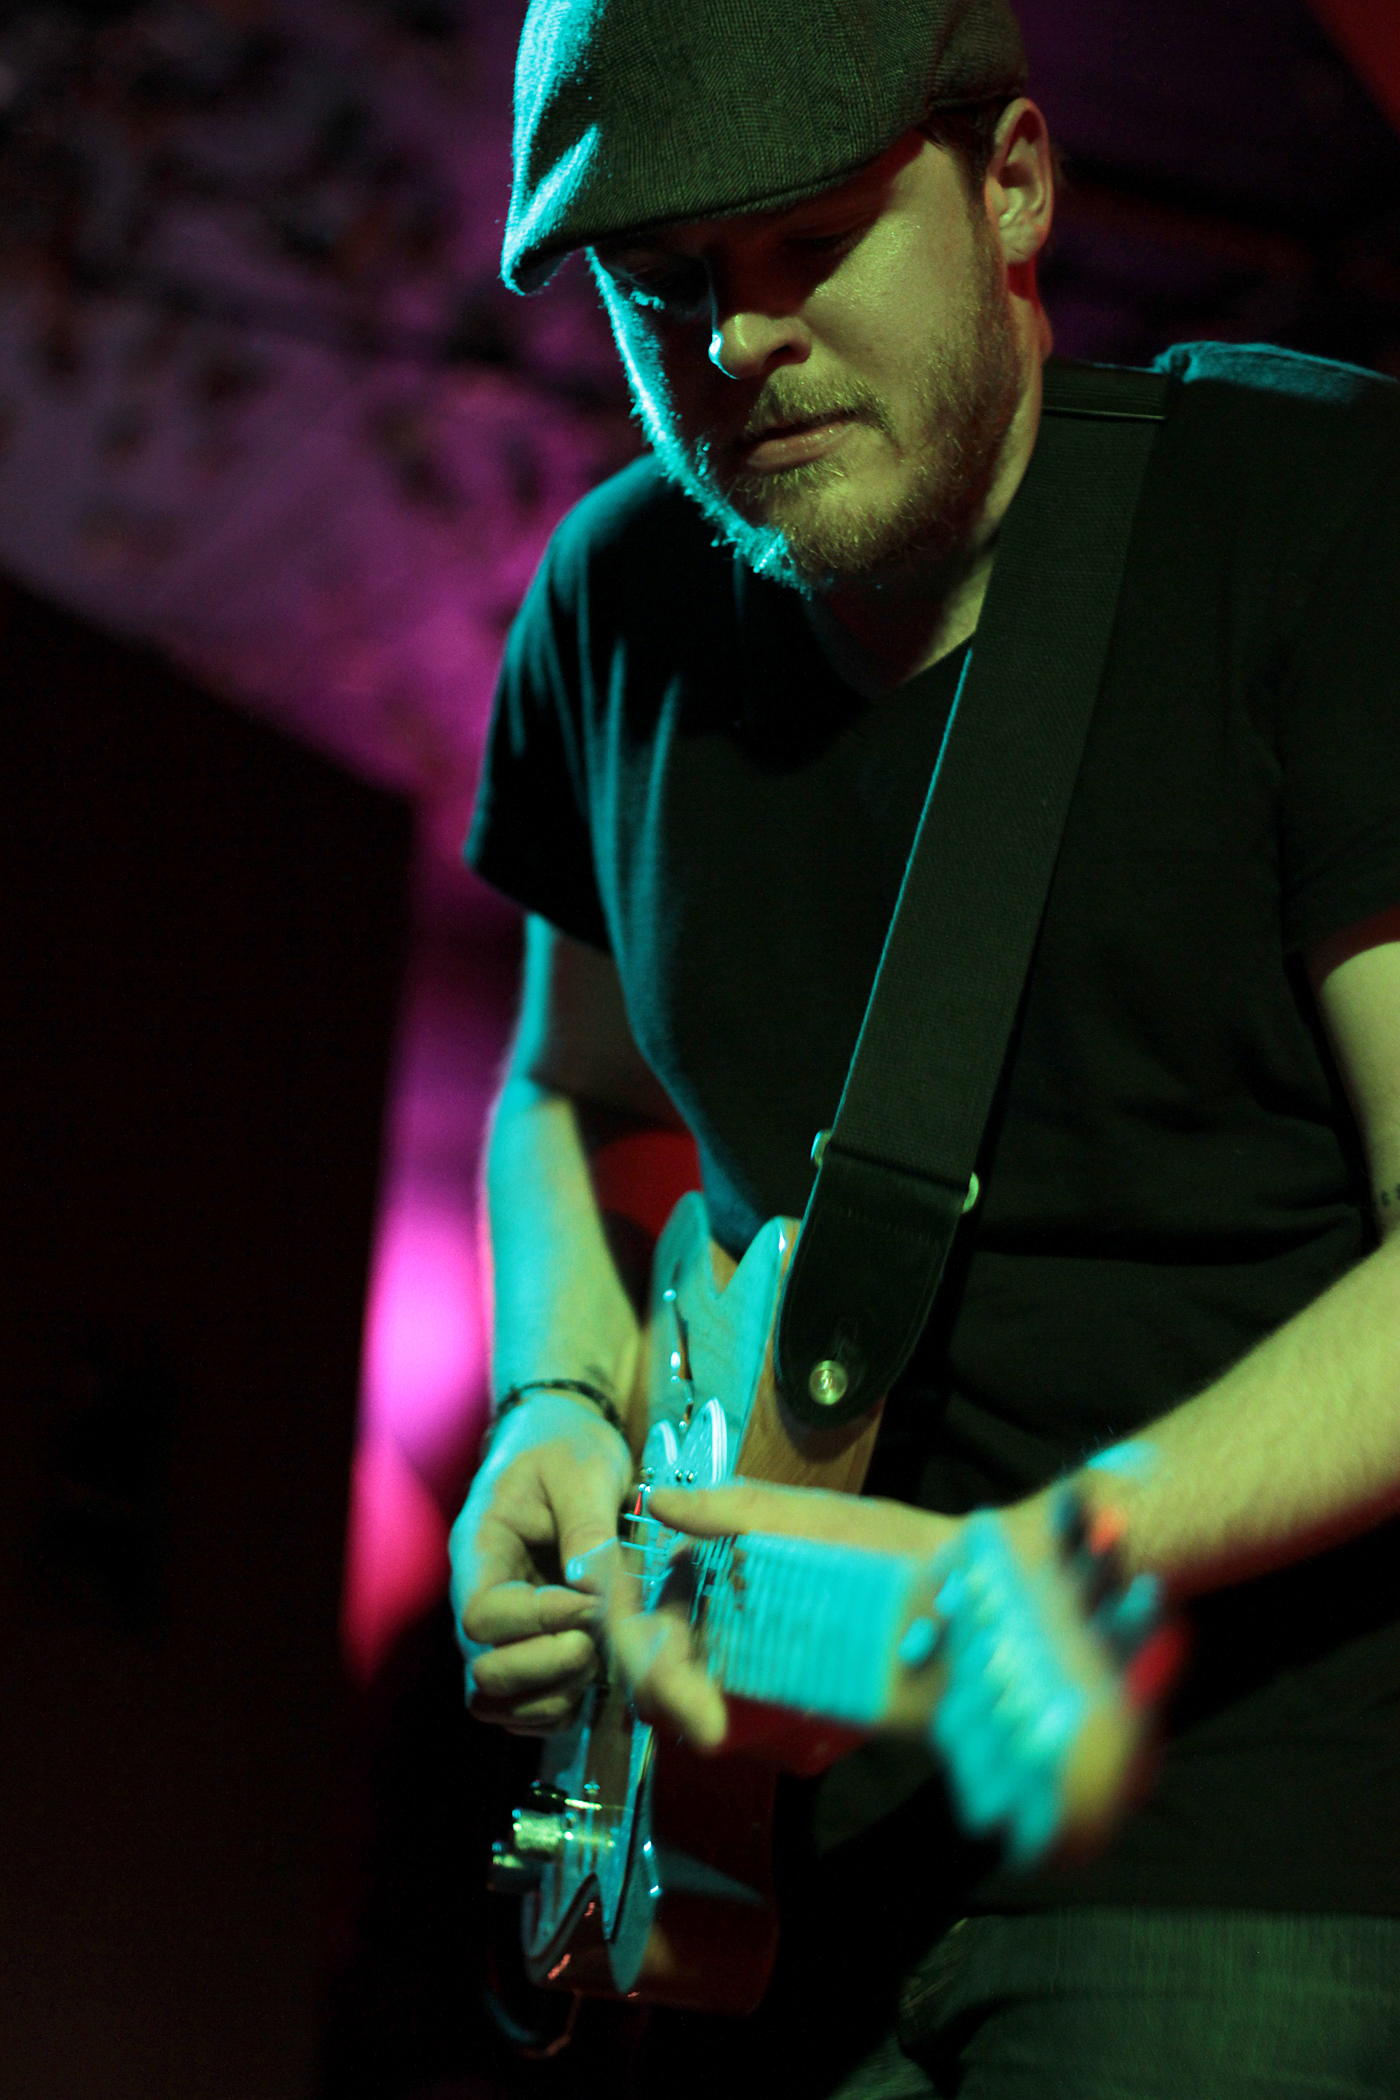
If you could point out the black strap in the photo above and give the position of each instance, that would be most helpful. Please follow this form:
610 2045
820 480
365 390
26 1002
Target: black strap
896 1170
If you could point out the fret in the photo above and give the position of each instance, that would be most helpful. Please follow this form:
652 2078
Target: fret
817 1628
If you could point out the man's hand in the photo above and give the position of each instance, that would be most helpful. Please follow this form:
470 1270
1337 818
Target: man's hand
549 1492
806 1513
656 1651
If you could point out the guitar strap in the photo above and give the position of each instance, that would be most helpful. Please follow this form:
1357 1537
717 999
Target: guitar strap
896 1171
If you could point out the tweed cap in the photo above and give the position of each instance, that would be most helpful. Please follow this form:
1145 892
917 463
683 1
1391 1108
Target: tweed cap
641 113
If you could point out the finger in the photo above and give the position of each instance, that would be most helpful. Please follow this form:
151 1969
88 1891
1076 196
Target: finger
584 1489
564 1495
542 1716
606 1574
543 1726
814 1513
487 1554
518 1611
527 1669
595 1570
750 1505
656 1653
585 1516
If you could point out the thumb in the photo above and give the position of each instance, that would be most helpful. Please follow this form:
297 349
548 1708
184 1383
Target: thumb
586 1505
812 1513
758 1505
603 1572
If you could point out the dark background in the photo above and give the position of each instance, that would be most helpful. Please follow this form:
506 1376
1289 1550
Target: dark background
277 458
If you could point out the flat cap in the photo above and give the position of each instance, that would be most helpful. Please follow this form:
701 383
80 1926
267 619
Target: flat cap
637 113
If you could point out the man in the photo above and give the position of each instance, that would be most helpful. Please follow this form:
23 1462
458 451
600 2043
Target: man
815 232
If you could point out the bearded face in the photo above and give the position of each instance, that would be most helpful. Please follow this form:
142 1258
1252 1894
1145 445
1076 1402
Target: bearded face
833 385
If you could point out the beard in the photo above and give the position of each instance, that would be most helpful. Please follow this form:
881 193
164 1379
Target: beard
793 526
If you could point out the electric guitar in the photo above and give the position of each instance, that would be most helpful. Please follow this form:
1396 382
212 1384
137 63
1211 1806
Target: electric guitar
644 1868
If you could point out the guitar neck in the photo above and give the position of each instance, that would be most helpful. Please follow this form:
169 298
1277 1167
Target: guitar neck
790 1622
1040 1727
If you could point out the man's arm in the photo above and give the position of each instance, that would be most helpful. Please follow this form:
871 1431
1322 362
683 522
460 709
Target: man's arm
1294 1449
1356 977
1297 1446
567 1291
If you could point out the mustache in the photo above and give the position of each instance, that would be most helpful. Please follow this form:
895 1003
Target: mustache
789 415
780 407
782 410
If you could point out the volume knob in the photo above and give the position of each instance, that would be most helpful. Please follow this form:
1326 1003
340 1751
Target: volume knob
538 1834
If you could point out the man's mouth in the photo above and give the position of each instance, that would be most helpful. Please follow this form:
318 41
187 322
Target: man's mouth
794 443
789 426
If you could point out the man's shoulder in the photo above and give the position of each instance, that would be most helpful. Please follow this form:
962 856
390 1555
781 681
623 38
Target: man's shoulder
635 524
1260 380
1292 446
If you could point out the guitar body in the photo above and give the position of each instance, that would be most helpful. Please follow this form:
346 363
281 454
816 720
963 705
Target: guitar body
1030 1673
651 1866
729 1310
696 1923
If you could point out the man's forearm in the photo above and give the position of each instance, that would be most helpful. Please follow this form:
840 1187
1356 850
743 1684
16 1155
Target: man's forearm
1294 1449
562 1309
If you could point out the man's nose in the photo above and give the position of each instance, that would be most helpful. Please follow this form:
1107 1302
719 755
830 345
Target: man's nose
746 343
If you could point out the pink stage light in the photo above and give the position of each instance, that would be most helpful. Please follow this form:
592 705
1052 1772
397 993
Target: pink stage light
396 1555
424 1359
423 1393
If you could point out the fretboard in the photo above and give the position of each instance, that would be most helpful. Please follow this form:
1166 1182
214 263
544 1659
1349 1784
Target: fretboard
794 1623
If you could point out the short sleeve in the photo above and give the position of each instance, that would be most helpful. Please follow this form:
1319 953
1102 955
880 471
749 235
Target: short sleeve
1339 719
530 835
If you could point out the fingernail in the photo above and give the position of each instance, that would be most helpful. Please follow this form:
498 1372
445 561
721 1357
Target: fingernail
574 1570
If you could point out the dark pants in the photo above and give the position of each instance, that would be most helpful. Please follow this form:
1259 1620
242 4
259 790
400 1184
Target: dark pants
1082 2005
1149 2005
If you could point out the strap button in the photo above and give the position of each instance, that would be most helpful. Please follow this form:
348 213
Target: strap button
828 1382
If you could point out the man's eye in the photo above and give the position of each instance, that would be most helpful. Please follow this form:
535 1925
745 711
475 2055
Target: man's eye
828 243
673 292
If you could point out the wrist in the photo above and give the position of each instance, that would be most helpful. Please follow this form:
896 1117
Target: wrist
576 1388
539 1408
1116 1486
1107 1494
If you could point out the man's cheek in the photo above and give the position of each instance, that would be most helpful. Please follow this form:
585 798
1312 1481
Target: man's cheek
648 378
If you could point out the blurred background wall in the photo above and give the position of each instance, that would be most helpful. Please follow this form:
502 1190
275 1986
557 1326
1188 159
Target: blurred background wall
267 416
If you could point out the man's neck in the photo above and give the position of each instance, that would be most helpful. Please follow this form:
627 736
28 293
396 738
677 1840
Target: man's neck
879 639
879 636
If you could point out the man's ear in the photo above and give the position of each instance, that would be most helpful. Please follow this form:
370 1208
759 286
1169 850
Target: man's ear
1020 185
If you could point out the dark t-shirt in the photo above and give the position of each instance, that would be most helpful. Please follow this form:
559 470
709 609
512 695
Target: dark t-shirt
676 776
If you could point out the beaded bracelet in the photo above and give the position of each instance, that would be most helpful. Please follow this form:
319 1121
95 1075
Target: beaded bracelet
580 1386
